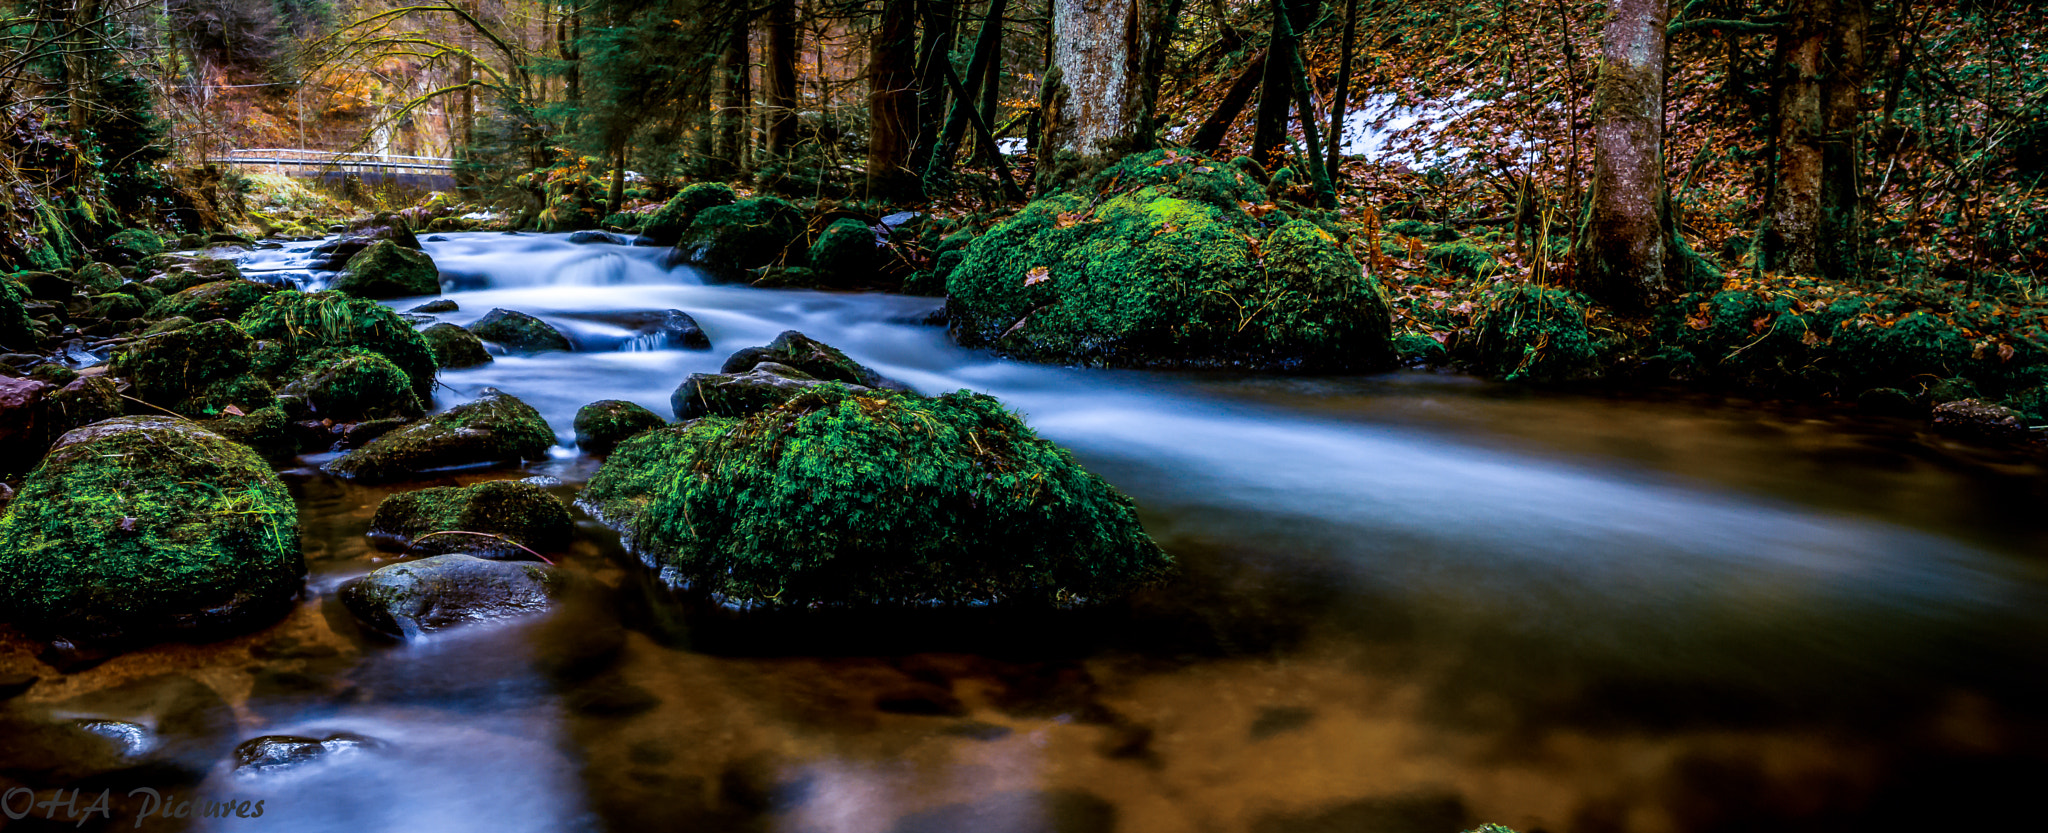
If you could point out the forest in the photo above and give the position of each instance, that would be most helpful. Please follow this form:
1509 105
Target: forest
892 415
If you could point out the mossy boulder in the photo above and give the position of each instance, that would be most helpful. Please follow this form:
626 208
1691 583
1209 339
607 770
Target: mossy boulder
875 497
1537 333
133 244
418 597
737 394
141 529
296 324
267 431
601 426
207 301
495 429
385 269
362 234
436 306
454 347
487 520
519 333
810 356
116 306
729 240
1978 421
1172 273
666 226
198 371
182 273
98 277
845 251
17 331
350 384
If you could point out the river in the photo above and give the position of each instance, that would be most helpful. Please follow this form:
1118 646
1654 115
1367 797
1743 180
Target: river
1408 602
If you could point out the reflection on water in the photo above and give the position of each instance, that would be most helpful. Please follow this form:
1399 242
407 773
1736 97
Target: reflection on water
1408 603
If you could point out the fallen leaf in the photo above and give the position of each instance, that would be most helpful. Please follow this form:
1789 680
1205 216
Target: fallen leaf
2005 352
1037 275
233 411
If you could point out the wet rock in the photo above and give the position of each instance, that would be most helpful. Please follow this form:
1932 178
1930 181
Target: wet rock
454 347
954 500
495 429
168 325
353 385
82 402
519 332
666 226
601 426
162 731
207 301
500 519
436 306
335 254
845 251
21 416
277 752
190 533
417 597
46 286
811 356
1979 421
198 371
267 431
132 245
676 329
98 277
595 236
292 325
182 272
737 394
729 240
115 306
387 270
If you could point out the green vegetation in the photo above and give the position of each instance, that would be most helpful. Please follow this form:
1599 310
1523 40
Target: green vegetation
601 426
498 514
145 529
298 323
220 299
454 347
843 497
729 240
495 429
385 269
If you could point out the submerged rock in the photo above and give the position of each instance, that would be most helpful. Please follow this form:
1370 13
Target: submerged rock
438 305
387 270
519 332
417 597
601 426
1979 421
454 347
278 752
811 356
141 529
495 429
207 301
767 385
1163 266
292 325
849 497
335 254
497 519
589 236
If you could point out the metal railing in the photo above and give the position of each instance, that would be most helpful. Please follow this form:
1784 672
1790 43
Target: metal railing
333 159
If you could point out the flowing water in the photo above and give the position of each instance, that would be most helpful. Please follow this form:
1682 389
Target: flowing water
1409 602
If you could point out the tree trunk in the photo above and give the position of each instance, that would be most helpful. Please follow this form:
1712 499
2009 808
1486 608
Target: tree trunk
1101 84
892 102
778 77
935 59
616 198
729 137
1209 137
1622 248
1276 92
81 66
1813 221
986 46
1343 87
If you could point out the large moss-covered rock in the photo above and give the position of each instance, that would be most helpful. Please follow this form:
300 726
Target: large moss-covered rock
1165 267
147 528
362 234
184 272
519 332
728 240
495 429
350 384
488 520
431 594
98 277
385 269
845 251
876 497
601 426
454 347
666 226
133 244
197 371
295 324
737 394
207 301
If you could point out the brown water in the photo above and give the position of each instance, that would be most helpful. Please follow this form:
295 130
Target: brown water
1408 603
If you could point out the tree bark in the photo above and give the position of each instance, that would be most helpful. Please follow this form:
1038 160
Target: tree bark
1343 87
892 102
1276 92
1622 248
1103 83
1209 137
986 46
1813 221
935 59
729 136
778 77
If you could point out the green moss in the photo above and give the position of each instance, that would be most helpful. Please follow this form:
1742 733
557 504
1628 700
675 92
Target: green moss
16 330
186 273
1536 333
495 429
1417 349
298 323
666 226
1193 176
765 386
454 347
1430 232
388 270
140 528
79 403
512 510
148 295
135 243
1166 277
196 371
839 497
55 374
267 431
1462 259
116 306
350 384
601 426
167 325
207 301
94 278
845 250
729 240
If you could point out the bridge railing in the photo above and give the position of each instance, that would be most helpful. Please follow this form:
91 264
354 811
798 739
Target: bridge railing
324 159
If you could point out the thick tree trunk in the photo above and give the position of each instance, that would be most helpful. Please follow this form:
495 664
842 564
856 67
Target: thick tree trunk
892 102
1813 221
1276 92
1102 87
935 59
729 137
778 76
1622 248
